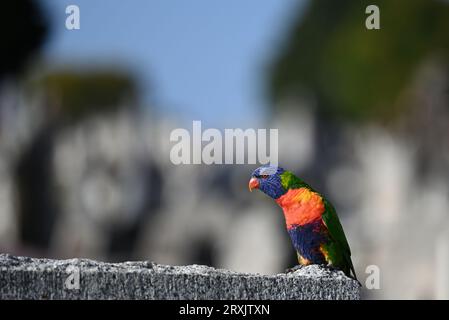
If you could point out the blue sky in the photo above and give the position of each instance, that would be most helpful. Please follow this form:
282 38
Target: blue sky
198 59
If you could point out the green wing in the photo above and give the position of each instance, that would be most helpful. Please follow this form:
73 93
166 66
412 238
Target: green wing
336 232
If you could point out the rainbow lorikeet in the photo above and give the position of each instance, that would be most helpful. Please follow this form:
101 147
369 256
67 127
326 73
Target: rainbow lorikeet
311 220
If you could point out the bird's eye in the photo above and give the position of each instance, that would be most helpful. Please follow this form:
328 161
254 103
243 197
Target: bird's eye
264 176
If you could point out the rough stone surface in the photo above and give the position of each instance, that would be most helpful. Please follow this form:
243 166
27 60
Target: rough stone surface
29 278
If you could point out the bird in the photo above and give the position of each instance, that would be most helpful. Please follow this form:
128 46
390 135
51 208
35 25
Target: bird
312 222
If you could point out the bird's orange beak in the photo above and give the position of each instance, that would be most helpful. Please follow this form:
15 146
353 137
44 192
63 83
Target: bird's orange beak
253 184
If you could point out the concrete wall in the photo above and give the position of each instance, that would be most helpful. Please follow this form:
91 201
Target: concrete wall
29 278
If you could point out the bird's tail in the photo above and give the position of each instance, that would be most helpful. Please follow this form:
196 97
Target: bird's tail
352 273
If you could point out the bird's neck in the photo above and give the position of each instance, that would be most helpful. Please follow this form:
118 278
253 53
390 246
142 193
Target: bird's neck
301 206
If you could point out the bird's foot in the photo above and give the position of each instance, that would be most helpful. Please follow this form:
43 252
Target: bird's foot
330 267
293 269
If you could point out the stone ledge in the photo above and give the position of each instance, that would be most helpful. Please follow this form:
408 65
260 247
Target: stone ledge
30 278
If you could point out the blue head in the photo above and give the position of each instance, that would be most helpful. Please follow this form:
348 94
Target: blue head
268 180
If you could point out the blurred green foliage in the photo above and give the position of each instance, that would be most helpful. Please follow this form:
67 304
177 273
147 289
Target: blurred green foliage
82 93
355 73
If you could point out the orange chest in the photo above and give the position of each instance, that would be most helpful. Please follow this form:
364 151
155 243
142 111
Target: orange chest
301 206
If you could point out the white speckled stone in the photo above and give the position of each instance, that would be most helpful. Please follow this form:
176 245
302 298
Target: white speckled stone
29 278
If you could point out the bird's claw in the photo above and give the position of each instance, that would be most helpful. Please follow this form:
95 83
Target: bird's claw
330 267
293 269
